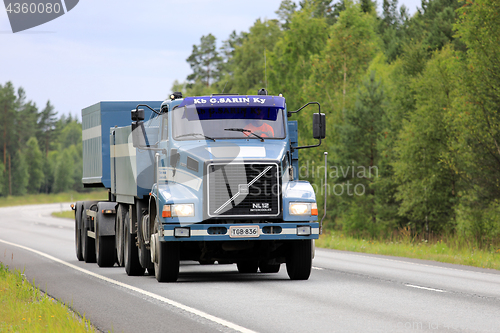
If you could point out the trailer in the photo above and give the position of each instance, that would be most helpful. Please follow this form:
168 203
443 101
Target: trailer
208 179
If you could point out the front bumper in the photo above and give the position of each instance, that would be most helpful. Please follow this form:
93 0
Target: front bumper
220 232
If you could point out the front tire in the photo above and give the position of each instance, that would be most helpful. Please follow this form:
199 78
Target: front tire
131 254
167 266
120 236
299 261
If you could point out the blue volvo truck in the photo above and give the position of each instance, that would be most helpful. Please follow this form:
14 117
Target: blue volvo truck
209 179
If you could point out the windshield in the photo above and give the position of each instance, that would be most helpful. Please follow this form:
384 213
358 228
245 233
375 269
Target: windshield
253 122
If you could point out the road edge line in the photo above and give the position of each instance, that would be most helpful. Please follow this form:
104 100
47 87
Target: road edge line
168 301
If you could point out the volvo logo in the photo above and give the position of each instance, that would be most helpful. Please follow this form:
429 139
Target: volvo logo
243 188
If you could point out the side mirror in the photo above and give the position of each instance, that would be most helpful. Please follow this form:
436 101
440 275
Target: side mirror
137 114
319 125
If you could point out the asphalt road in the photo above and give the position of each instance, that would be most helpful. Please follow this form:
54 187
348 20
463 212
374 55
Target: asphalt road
347 292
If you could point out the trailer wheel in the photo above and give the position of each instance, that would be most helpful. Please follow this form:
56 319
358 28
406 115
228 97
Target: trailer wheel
131 254
167 265
299 260
247 266
78 238
119 235
266 266
88 243
104 249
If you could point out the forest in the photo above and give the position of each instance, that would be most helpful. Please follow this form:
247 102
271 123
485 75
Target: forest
412 105
40 152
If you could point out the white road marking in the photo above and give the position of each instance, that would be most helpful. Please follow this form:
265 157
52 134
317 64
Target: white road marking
318 268
186 308
419 287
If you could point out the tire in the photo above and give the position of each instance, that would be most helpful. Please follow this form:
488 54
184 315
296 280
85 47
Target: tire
104 249
88 243
144 253
268 266
120 239
299 260
78 232
130 252
144 257
167 267
248 266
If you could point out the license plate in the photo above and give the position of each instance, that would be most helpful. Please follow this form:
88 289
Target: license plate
247 231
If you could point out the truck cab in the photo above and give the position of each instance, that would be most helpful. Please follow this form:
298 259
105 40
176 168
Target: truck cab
213 179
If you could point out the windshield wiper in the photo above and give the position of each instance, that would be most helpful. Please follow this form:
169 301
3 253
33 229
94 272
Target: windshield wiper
195 134
242 130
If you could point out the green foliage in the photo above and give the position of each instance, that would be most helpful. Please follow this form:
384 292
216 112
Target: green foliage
204 61
427 189
290 61
285 13
31 141
34 159
63 175
249 60
2 180
20 174
26 309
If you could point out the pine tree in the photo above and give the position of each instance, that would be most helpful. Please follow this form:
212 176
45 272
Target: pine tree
205 61
46 127
359 150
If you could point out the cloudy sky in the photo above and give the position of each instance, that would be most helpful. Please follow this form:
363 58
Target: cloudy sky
119 49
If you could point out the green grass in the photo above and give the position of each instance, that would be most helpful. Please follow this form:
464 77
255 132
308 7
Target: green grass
67 214
449 250
24 308
34 199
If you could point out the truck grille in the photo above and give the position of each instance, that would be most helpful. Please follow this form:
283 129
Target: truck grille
238 189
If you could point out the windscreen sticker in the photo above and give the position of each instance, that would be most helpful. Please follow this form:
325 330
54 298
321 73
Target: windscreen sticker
263 113
217 101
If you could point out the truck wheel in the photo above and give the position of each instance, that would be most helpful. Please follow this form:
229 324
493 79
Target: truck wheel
247 266
167 267
130 252
144 257
120 216
78 238
88 243
266 266
299 260
104 249
144 253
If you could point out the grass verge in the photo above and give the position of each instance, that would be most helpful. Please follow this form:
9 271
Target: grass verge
26 309
34 199
66 214
448 251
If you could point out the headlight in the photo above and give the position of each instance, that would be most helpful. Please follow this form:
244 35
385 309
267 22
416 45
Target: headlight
179 210
303 208
183 210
